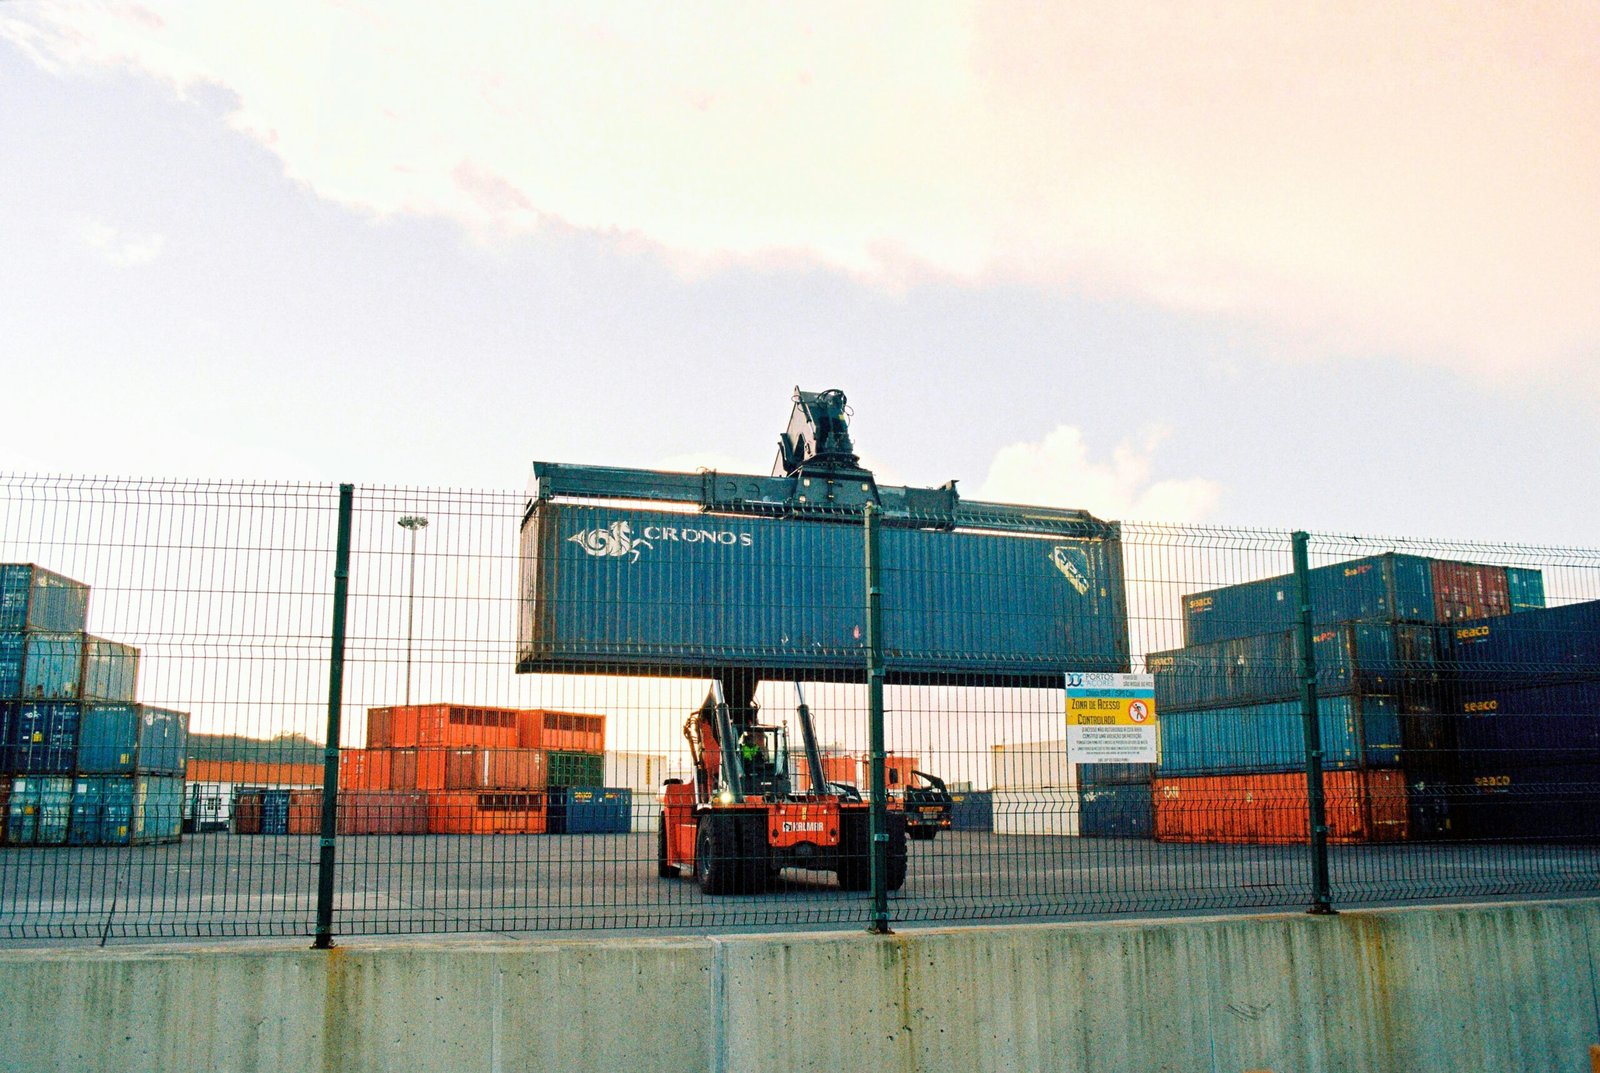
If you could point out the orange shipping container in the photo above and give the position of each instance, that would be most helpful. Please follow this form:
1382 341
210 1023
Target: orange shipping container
417 769
305 812
572 732
411 726
486 813
383 813
366 769
1361 806
495 769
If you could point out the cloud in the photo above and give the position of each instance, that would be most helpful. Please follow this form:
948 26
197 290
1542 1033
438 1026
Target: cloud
1420 180
1058 471
123 249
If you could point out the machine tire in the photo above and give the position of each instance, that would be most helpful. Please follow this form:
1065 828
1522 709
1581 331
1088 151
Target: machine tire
756 855
855 861
897 852
716 855
663 869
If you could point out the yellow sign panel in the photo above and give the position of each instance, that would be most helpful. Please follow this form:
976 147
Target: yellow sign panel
1110 711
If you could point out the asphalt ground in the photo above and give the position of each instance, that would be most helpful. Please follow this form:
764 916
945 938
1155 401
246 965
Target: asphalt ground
223 885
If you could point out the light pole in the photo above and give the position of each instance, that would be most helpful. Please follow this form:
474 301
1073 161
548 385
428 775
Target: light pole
411 523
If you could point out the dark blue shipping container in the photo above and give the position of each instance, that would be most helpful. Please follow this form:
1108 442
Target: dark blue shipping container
40 812
40 666
110 671
1526 647
1529 804
102 811
1117 812
1536 727
274 812
972 810
1381 588
33 598
598 810
163 740
1525 587
44 737
675 593
1370 658
1358 731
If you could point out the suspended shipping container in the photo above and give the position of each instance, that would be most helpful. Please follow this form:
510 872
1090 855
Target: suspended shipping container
40 811
661 592
1360 806
1357 731
33 598
40 666
110 671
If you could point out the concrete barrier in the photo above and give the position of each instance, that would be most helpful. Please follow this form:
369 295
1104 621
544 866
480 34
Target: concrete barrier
1496 987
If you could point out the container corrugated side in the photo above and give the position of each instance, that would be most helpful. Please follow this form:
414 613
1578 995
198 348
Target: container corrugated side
972 810
574 769
44 738
1357 731
275 812
158 809
108 739
102 810
598 810
40 811
1111 811
40 666
1271 809
1556 643
163 740
33 598
1525 587
1556 803
245 812
495 769
488 813
626 588
110 671
381 812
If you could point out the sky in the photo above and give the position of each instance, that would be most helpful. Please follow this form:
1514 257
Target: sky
1318 266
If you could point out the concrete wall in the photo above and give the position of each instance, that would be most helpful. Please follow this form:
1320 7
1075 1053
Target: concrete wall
1503 987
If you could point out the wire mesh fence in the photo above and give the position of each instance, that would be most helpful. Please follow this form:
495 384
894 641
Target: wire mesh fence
578 715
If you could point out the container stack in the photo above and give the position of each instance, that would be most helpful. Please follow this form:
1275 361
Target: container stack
1524 699
1232 735
81 761
463 769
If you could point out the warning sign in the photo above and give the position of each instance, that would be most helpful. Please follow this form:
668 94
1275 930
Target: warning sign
1111 719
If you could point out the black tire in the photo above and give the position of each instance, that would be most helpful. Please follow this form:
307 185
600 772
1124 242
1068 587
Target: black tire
855 861
755 862
663 869
921 834
716 855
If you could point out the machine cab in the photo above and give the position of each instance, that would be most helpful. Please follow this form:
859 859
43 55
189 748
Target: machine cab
764 758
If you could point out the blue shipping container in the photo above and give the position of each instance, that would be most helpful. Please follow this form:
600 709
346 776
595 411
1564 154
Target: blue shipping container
40 666
605 587
110 671
33 598
108 739
1536 727
1117 812
163 740
598 810
1358 731
102 811
972 810
1364 657
1529 804
1557 642
1525 587
44 737
40 811
275 812
158 809
1103 774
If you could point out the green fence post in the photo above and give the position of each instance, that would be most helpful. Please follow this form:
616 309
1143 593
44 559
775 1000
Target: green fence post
1321 892
878 823
330 754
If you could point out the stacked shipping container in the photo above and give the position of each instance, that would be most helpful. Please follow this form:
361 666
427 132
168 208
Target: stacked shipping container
1232 733
81 761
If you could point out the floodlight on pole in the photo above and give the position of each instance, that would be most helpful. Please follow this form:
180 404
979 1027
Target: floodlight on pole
411 523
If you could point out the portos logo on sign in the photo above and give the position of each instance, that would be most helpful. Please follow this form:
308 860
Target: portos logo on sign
617 539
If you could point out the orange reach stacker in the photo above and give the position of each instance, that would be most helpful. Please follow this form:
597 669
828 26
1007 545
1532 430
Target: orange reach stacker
739 823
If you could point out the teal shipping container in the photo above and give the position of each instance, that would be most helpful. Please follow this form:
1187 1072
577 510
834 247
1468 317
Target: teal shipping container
35 665
110 671
33 598
1526 588
157 809
122 739
1358 731
102 811
40 811
642 591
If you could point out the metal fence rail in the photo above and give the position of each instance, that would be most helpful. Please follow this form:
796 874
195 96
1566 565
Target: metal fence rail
1456 688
